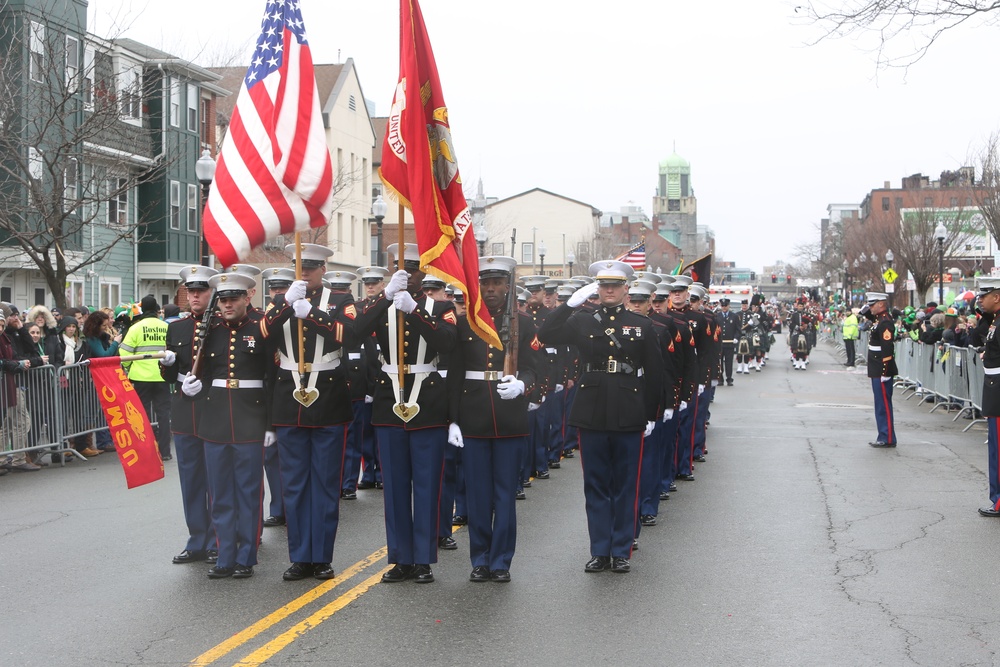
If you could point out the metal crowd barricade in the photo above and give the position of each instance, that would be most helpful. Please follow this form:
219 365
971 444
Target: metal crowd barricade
977 376
32 417
81 406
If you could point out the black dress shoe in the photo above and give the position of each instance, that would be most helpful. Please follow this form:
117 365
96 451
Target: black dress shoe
520 495
526 484
480 573
347 494
167 457
397 573
699 459
878 444
323 571
366 485
379 485
500 576
542 475
422 574
635 544
664 495
597 564
989 511
620 565
272 521
459 520
212 556
298 571
568 454
648 520
729 383
686 478
242 572
554 464
447 543
220 572
672 487
189 556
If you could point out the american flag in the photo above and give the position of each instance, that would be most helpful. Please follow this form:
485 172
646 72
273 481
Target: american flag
635 256
274 174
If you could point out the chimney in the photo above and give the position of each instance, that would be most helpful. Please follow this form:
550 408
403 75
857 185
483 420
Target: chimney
628 228
886 185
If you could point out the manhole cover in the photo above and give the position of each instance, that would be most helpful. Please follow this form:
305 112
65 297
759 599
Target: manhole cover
833 406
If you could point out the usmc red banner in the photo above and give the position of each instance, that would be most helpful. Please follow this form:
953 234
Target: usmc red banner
130 430
420 169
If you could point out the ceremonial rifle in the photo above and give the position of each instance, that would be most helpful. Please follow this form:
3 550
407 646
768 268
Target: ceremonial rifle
201 332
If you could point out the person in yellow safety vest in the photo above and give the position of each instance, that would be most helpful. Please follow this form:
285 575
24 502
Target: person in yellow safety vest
851 333
147 335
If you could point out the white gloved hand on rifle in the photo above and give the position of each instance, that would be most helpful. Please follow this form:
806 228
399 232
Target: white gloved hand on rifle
396 284
191 386
510 387
296 291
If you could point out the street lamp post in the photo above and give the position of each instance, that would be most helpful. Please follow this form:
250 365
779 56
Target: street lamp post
847 295
379 209
482 236
939 233
541 256
889 287
204 171
570 258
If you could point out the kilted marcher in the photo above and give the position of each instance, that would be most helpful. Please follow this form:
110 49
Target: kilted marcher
616 405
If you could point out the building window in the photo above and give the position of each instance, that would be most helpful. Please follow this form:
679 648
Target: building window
175 205
118 201
111 294
74 293
497 248
129 91
72 64
928 202
37 57
527 253
374 253
192 221
70 185
968 201
899 203
885 203
175 103
953 202
88 77
583 253
204 123
340 229
192 102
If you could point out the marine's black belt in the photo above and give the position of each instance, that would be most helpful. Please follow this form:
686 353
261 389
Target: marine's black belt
610 366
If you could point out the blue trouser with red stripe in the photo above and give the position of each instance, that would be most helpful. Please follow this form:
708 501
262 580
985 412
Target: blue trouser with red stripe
610 461
491 470
883 411
668 467
686 430
236 483
994 462
700 432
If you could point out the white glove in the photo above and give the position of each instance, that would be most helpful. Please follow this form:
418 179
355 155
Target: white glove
369 399
270 438
649 429
667 415
683 406
296 291
455 436
533 406
191 386
302 308
169 357
510 387
715 383
886 379
701 389
559 388
396 284
582 295
404 302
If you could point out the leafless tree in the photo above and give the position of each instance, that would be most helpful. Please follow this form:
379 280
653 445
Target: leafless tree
986 194
916 24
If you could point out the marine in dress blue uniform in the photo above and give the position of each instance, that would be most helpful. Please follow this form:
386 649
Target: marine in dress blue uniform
182 344
373 278
233 424
882 367
489 413
411 452
687 428
616 406
985 337
311 433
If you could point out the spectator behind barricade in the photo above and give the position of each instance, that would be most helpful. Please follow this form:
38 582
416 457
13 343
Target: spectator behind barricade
171 313
24 347
955 330
101 340
45 320
39 342
15 420
930 332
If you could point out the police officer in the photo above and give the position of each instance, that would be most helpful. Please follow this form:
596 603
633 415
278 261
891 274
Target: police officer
373 279
411 450
183 341
310 412
882 366
851 334
489 411
233 424
616 405
278 281
730 334
148 334
985 336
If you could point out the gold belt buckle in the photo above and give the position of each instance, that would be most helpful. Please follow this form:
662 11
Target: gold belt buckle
307 367
612 365
234 383
492 376
406 369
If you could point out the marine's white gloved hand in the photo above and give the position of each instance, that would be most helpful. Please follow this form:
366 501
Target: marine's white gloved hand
396 284
559 388
270 438
455 436
191 386
302 308
404 302
369 399
715 383
683 406
582 295
701 389
649 429
886 379
169 357
667 415
296 291
533 406
510 387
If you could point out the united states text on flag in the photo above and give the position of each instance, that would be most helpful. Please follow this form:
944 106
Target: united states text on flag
635 256
274 174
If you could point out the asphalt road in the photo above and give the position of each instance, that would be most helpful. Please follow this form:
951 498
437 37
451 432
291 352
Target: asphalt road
796 545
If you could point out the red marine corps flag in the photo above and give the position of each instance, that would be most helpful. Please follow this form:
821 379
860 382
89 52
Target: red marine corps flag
419 168
274 174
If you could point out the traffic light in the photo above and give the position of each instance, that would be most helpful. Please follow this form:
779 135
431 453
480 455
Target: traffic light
774 277
753 276
788 279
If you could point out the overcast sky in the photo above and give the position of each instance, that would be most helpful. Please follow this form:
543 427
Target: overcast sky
585 98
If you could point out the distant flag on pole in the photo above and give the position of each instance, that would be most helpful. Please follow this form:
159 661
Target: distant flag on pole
420 170
678 269
274 174
635 256
700 270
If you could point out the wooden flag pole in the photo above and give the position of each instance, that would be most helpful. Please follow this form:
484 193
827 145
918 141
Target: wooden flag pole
302 336
400 317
